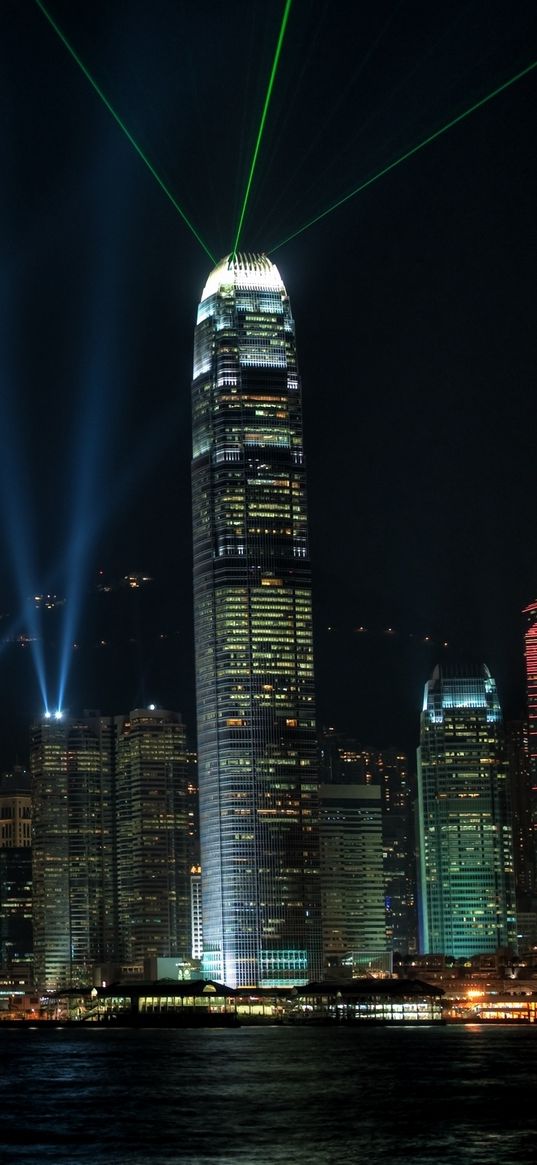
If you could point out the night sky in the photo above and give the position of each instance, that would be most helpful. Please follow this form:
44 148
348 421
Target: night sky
415 312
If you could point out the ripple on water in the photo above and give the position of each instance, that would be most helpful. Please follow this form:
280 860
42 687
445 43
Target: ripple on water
265 1096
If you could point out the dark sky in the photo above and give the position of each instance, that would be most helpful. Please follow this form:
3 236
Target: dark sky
415 312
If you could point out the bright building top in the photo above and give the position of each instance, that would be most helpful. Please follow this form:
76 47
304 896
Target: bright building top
244 271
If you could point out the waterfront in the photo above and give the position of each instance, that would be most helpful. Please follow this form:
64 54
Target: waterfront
268 1096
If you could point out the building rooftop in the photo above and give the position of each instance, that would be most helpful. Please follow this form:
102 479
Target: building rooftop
244 270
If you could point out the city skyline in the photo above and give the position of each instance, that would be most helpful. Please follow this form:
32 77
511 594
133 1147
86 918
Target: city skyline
425 465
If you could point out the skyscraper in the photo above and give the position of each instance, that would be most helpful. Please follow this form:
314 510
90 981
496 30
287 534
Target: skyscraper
253 634
152 835
399 852
465 834
353 907
530 653
520 786
16 877
346 761
111 843
74 916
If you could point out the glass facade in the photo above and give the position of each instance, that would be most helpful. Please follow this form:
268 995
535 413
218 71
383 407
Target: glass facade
530 654
353 909
153 888
110 843
465 834
257 750
73 839
346 761
16 877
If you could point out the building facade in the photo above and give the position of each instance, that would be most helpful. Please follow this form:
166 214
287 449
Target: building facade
16 940
530 656
110 843
152 843
352 876
257 753
520 785
74 911
346 761
467 904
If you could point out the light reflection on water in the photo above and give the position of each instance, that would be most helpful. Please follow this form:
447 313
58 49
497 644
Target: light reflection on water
267 1096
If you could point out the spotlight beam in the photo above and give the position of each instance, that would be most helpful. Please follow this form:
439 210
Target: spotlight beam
124 129
408 154
268 95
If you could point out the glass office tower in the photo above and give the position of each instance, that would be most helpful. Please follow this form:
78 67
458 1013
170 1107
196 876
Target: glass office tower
530 654
257 750
465 836
73 845
353 904
111 843
152 835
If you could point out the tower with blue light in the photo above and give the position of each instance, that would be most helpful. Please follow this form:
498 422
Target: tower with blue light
467 902
257 751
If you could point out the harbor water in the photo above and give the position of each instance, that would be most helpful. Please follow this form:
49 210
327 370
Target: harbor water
462 1095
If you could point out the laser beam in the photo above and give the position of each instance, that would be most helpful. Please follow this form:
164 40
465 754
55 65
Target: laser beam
408 154
268 95
124 129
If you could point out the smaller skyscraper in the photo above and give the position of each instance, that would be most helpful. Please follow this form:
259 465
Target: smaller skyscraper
398 841
352 881
111 843
465 836
152 809
16 877
520 786
345 761
74 914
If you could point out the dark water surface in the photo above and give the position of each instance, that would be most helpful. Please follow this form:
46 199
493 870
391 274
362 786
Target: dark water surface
455 1096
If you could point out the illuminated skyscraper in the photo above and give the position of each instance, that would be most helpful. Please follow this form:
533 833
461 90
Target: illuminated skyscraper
524 835
345 761
16 877
530 653
152 832
353 905
73 849
253 635
111 843
465 835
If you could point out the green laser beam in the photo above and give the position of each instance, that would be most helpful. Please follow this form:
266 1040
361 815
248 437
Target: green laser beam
268 96
408 154
123 127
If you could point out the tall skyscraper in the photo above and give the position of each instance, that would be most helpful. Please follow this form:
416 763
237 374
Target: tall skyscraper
465 835
530 653
352 876
257 749
111 843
